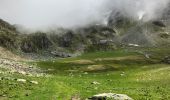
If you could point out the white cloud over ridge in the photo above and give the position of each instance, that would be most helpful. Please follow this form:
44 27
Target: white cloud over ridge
70 13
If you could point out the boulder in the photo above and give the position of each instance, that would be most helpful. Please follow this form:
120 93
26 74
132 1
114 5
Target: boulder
110 96
166 60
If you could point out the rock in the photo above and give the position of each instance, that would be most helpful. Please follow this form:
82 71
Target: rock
75 97
8 78
122 74
105 41
159 23
95 82
4 95
166 60
30 66
110 96
22 72
85 73
61 54
134 45
164 35
21 80
147 56
34 82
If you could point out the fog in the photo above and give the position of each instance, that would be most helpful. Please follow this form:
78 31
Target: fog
40 14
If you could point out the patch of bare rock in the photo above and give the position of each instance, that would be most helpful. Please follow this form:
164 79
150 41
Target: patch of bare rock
21 68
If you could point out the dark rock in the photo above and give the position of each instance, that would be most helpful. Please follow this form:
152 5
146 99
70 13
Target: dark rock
61 54
166 60
35 42
66 39
164 35
159 23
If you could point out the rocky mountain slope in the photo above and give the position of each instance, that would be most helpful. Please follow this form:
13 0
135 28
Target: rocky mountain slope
63 42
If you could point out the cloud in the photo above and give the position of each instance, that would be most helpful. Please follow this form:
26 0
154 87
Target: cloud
70 13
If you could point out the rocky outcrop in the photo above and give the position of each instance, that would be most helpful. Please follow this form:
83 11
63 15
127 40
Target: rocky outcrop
35 42
8 35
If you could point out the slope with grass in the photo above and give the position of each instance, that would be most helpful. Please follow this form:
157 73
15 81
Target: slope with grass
121 71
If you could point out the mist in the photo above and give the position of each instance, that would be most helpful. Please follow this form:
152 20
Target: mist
42 14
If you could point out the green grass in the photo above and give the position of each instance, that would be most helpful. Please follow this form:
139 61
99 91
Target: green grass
143 79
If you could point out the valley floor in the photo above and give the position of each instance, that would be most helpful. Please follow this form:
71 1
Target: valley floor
120 71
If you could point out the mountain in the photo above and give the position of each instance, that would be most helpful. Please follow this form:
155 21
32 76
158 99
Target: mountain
94 37
63 42
151 33
8 35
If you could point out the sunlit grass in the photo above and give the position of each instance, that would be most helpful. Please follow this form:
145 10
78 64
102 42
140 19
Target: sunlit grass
117 71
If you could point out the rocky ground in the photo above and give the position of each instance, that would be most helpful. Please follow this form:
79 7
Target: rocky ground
17 67
13 63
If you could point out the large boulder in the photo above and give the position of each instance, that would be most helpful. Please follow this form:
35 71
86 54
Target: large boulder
110 96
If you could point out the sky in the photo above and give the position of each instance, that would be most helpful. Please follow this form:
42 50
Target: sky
37 14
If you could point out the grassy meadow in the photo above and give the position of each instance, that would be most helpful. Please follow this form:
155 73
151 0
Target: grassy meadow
122 71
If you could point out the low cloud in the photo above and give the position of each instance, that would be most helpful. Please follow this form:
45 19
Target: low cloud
38 14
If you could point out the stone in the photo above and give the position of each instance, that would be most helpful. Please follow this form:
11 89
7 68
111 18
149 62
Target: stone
166 60
110 96
30 66
147 56
34 82
95 82
21 80
85 73
22 72
135 45
122 74
75 97
61 54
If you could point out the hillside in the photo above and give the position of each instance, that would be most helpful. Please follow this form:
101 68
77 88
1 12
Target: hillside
125 59
65 42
